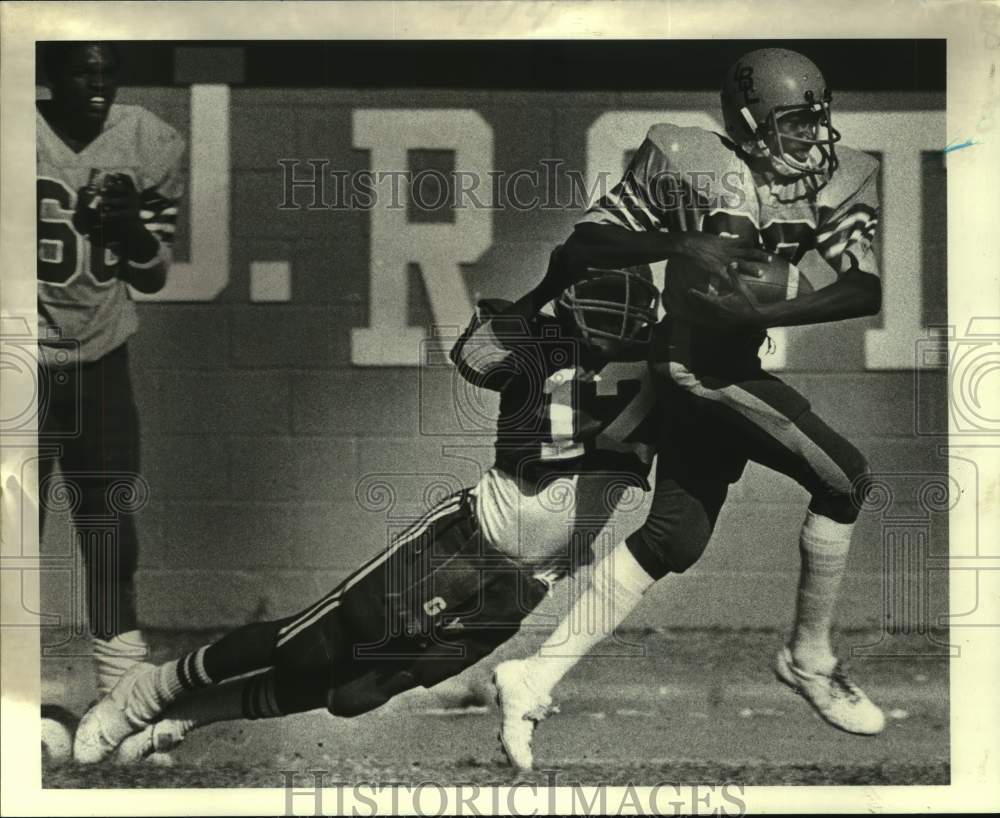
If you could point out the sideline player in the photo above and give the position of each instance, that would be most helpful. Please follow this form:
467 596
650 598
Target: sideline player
574 430
108 186
776 180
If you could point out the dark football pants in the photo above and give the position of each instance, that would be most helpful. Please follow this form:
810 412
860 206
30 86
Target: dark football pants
316 651
88 422
713 426
433 603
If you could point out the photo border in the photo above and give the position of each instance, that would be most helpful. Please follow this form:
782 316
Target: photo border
972 30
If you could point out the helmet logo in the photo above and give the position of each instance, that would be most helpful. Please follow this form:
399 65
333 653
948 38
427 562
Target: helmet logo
744 82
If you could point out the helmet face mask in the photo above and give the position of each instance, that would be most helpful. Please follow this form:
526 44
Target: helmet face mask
785 146
617 306
767 96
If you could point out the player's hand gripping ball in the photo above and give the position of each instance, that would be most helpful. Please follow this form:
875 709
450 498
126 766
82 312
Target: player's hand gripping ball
85 216
776 280
106 213
729 300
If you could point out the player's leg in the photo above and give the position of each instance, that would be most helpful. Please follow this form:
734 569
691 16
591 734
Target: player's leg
434 602
675 533
307 646
144 692
484 564
318 642
778 429
460 596
203 684
374 636
307 649
56 413
103 463
274 693
270 694
355 637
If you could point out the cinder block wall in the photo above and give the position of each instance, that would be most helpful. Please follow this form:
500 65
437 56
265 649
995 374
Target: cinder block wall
261 441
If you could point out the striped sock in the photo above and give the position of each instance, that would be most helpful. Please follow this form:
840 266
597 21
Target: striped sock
190 670
249 698
154 692
823 545
259 700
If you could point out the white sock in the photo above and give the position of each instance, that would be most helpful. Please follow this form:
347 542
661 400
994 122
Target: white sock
616 587
153 693
823 545
114 656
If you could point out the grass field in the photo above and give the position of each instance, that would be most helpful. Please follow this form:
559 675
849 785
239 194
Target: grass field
695 706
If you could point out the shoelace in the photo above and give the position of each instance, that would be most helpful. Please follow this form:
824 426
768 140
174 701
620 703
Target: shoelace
842 682
542 712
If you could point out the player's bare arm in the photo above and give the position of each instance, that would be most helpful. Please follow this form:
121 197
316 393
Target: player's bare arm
607 245
561 273
853 295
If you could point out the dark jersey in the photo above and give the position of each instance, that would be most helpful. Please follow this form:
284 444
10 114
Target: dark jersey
559 411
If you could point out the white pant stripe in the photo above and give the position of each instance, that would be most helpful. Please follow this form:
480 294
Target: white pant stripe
376 560
765 416
329 603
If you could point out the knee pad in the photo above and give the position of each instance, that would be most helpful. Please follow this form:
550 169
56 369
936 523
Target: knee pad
845 506
677 528
661 550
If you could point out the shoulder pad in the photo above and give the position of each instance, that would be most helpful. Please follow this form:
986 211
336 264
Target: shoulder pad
692 149
153 126
854 171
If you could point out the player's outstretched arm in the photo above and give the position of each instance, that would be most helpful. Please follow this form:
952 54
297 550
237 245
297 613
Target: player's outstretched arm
487 353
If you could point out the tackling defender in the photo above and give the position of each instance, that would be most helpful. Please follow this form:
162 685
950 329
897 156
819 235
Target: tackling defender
776 180
108 186
575 420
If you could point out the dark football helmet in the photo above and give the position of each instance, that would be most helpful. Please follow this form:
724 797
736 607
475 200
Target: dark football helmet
776 104
615 305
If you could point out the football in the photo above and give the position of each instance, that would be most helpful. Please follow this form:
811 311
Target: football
58 727
780 280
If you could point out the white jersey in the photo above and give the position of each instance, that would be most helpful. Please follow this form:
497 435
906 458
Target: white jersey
681 177
80 294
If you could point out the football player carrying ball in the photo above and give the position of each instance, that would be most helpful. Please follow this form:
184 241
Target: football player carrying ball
723 210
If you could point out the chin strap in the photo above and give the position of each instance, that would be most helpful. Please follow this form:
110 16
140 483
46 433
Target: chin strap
754 128
777 160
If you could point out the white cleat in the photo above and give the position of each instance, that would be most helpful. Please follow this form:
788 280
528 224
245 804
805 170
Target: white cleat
835 697
106 725
521 709
152 744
